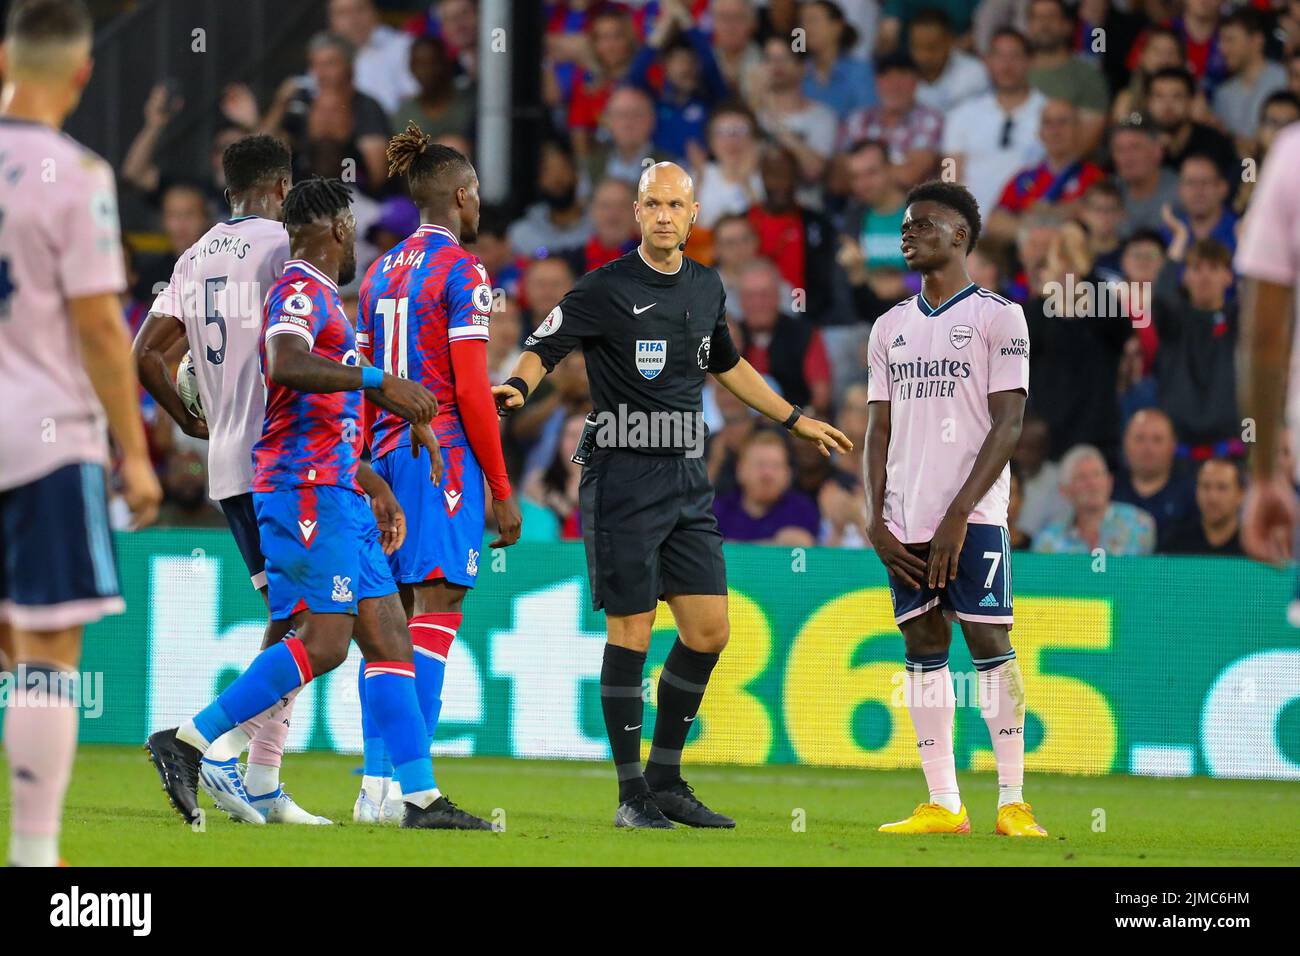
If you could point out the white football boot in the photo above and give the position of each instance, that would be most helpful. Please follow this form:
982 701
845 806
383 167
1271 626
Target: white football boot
224 782
279 807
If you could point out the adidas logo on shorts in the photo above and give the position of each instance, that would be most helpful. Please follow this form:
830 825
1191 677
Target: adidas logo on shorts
989 600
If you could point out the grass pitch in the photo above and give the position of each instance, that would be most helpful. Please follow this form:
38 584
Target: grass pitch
561 813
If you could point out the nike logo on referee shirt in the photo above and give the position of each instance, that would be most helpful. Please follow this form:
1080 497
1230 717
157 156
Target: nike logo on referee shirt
626 727
637 310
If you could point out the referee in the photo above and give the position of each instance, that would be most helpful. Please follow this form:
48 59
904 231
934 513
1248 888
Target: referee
652 324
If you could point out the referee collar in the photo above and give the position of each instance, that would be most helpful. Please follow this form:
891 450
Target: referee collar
653 275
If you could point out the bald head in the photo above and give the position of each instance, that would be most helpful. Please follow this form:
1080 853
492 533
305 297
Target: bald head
668 177
665 207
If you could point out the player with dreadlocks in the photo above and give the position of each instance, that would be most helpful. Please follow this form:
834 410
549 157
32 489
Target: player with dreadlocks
324 548
423 315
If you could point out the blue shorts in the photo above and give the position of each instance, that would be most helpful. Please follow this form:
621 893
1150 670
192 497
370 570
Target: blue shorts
243 528
322 550
57 568
981 591
444 524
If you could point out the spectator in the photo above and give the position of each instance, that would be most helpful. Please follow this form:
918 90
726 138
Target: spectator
541 428
1141 259
1095 522
1171 99
834 76
1060 75
140 168
739 59
185 485
455 22
870 253
1102 211
1074 373
1239 100
1203 207
912 133
1161 53
1197 28
729 182
629 122
326 120
613 226
735 244
1035 235
556 485
1145 186
557 223
504 334
1215 528
1196 361
398 217
995 134
841 498
948 75
724 444
1280 109
898 16
801 242
545 283
790 350
186 216
438 106
1061 178
1040 477
764 507
687 85
379 65
986 265
608 52
493 248
1020 541
804 127
1149 480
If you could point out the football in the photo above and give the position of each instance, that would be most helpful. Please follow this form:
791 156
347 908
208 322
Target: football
187 386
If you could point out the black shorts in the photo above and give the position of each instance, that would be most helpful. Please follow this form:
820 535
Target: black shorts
243 526
649 528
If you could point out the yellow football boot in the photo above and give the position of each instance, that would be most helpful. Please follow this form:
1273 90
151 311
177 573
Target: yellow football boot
931 818
1017 819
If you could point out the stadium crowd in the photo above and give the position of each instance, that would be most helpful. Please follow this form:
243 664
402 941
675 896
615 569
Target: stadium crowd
1112 148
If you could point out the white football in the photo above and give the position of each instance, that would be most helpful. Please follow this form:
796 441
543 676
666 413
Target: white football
187 386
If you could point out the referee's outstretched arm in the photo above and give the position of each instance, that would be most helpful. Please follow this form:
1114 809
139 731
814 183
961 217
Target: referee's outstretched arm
747 385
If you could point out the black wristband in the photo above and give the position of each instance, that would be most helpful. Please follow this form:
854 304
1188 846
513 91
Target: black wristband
795 414
518 384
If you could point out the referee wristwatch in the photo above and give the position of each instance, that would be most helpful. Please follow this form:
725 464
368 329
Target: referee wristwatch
795 414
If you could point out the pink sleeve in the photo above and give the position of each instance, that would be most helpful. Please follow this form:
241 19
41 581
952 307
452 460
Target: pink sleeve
1266 249
1008 342
878 364
90 256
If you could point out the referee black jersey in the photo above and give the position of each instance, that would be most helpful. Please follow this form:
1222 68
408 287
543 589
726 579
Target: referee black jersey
649 338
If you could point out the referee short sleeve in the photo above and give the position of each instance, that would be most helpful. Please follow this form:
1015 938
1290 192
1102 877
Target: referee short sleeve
722 350
575 320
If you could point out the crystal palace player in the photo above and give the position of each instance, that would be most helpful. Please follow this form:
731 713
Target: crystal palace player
949 375
423 315
214 303
324 549
65 366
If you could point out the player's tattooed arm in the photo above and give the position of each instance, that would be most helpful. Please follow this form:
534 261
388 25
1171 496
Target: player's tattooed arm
1007 409
892 553
389 516
157 342
291 363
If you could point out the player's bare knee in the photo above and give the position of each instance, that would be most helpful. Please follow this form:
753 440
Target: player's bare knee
708 638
